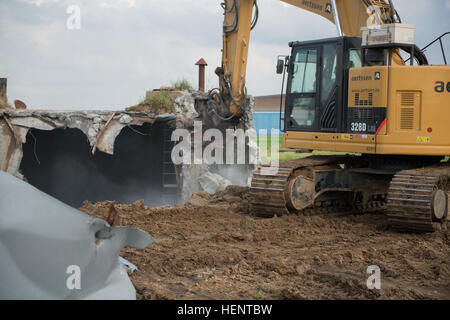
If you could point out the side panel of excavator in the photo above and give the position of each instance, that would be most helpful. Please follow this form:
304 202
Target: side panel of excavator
418 113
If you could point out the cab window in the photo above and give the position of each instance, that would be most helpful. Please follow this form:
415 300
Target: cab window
304 71
303 108
355 58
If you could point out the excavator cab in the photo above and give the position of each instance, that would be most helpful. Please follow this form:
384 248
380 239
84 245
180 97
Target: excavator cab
317 97
317 84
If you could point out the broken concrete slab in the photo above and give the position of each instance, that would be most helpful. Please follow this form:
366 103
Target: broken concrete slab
52 251
212 182
89 122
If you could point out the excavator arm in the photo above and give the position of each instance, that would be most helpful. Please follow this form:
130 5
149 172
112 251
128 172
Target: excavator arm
351 15
240 17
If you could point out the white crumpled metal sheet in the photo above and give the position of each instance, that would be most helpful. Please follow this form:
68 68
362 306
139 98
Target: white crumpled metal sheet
42 239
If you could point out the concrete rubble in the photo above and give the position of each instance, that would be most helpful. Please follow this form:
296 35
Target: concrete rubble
212 182
193 178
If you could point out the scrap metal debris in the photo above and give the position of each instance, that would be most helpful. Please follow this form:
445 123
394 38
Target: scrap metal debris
113 216
49 250
127 265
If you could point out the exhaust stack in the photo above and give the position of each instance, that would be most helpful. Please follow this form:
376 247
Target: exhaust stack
201 74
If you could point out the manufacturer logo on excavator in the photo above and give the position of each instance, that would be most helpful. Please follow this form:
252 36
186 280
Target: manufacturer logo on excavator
362 78
312 5
441 86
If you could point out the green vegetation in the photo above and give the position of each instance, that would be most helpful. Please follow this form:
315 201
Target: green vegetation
269 141
5 105
260 290
158 100
182 85
285 156
259 295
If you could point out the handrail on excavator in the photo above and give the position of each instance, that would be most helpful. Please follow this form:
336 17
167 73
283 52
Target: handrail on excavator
433 42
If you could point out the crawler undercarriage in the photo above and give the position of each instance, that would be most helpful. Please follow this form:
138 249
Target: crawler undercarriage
413 191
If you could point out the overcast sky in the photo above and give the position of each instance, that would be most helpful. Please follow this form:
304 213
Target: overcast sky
125 47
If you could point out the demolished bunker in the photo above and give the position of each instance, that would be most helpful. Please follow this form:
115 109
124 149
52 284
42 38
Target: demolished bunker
121 156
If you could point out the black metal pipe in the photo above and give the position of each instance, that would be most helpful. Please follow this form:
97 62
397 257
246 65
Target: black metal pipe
443 52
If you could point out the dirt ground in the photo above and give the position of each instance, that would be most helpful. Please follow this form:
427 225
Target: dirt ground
211 249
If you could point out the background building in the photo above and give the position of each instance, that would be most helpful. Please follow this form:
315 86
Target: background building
267 113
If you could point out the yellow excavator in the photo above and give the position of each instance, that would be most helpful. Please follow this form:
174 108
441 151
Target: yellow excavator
369 92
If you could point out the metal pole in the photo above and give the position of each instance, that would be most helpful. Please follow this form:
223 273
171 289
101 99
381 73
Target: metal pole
201 74
442 49
395 17
336 18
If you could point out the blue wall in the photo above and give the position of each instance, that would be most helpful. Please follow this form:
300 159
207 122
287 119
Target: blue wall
267 120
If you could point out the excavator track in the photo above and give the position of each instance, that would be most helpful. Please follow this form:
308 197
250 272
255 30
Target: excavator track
268 191
418 200
271 186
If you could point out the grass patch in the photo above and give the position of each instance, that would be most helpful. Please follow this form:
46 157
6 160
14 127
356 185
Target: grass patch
260 292
259 295
286 156
182 85
268 141
158 100
6 105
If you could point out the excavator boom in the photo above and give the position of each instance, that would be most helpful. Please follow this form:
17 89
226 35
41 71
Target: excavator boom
239 19
351 15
